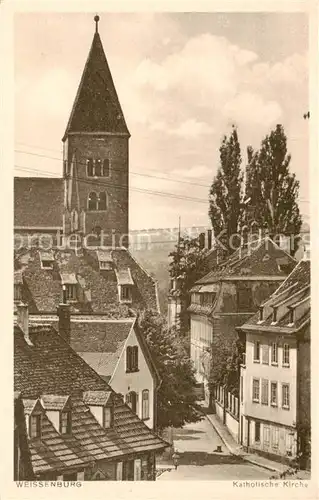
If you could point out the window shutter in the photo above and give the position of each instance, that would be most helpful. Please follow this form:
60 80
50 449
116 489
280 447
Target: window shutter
137 469
119 471
128 358
135 357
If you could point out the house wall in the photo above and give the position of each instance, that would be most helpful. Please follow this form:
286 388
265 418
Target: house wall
275 373
201 340
123 382
275 440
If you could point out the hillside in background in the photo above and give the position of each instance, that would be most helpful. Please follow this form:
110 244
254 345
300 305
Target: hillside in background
151 249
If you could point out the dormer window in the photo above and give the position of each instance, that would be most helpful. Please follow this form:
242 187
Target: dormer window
274 315
261 314
101 406
69 286
35 425
291 316
18 286
47 260
126 293
65 422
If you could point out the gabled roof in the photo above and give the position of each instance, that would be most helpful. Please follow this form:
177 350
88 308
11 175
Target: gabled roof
96 107
38 202
97 398
55 402
124 277
292 294
258 259
50 366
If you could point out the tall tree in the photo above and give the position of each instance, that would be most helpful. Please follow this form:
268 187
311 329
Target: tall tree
176 399
225 197
188 264
271 188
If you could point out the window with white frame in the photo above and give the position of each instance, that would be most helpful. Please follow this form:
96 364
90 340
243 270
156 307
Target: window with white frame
145 404
257 432
17 292
126 293
265 354
256 390
257 351
65 422
264 392
273 393
274 353
35 425
119 471
107 417
266 435
71 291
285 398
285 355
274 437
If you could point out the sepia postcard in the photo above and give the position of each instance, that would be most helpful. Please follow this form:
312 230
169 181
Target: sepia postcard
159 174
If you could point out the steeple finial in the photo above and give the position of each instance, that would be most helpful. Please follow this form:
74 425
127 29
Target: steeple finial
96 19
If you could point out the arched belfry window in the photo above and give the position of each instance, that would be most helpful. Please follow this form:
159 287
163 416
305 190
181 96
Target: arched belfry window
106 167
102 202
90 167
92 201
98 168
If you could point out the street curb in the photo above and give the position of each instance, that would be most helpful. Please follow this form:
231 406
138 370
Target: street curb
267 467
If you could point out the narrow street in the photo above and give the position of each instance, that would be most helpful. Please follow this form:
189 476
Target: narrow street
195 444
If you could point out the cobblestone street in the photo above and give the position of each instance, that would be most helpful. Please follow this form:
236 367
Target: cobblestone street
198 460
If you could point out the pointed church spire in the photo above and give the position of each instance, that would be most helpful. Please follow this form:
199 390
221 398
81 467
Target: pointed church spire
96 107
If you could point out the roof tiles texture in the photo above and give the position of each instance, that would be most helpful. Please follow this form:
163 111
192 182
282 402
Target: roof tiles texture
38 202
98 290
50 366
258 259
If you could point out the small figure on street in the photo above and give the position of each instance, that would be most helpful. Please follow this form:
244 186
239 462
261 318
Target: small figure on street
175 458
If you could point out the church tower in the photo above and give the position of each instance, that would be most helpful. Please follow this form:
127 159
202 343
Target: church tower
95 154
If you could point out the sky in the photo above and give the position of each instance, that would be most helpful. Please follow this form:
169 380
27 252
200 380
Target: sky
183 80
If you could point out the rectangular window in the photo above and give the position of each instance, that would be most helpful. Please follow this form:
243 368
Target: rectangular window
132 358
285 355
266 435
47 264
107 417
70 291
17 293
265 351
285 396
119 471
126 295
257 351
137 469
145 404
257 432
274 394
65 422
264 392
35 426
256 384
274 437
244 298
274 353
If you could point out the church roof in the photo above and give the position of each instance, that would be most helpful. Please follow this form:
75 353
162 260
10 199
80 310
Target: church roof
38 202
96 107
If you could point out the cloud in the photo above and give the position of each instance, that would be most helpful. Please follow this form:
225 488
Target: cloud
195 172
250 108
189 129
291 71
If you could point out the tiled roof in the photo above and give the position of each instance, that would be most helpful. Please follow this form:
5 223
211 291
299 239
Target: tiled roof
97 398
98 290
124 277
38 202
46 255
96 107
293 293
103 363
54 401
257 259
50 366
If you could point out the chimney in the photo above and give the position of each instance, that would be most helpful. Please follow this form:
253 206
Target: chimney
64 315
209 239
23 320
201 240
